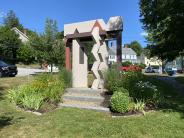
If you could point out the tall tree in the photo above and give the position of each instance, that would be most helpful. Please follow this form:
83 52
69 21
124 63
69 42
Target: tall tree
12 21
9 44
163 20
49 47
136 46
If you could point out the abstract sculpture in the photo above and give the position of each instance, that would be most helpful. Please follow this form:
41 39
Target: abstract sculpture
100 33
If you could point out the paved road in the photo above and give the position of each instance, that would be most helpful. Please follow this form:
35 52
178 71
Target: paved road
171 80
27 71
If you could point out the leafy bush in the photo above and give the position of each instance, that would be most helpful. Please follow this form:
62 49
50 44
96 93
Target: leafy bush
66 77
32 101
120 102
122 90
14 95
130 79
146 91
141 65
113 79
126 63
26 54
25 96
45 88
54 92
139 106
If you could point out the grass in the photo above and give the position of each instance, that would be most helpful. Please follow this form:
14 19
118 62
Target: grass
68 122
180 79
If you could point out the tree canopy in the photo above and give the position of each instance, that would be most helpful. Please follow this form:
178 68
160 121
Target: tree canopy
136 46
11 20
9 43
164 22
49 46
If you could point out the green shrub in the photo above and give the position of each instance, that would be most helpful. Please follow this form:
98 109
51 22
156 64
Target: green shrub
119 102
122 90
126 63
129 79
142 66
139 106
112 80
66 77
25 96
54 92
32 101
14 95
45 88
146 91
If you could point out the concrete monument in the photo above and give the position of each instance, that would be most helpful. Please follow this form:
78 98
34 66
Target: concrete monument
76 58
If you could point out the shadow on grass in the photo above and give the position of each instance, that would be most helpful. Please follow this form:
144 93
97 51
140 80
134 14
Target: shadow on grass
173 100
173 105
6 120
1 92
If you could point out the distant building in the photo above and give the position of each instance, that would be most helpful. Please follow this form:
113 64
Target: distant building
128 54
154 61
22 36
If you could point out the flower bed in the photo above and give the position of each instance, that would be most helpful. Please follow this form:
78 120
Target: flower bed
131 68
42 94
130 93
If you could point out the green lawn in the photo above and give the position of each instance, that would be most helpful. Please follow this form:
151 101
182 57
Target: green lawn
180 79
66 122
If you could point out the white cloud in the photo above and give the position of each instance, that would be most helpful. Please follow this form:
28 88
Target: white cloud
144 34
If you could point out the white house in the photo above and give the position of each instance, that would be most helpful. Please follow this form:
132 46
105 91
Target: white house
153 61
128 54
22 36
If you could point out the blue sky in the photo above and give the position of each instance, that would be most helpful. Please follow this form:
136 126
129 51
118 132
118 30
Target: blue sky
32 13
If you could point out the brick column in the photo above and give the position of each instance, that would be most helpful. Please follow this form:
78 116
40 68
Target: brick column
67 56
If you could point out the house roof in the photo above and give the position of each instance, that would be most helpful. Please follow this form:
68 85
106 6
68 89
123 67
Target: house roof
125 51
128 51
20 33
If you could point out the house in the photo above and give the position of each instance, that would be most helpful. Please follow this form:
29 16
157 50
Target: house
153 61
22 36
128 54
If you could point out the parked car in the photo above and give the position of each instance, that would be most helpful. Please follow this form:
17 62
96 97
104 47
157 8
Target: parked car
171 71
152 69
149 70
7 69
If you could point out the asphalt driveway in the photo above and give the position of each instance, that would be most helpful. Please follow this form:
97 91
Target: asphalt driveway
27 71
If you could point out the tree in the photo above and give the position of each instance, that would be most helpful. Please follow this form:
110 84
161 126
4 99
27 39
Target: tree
163 20
9 44
48 46
26 54
136 46
12 21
